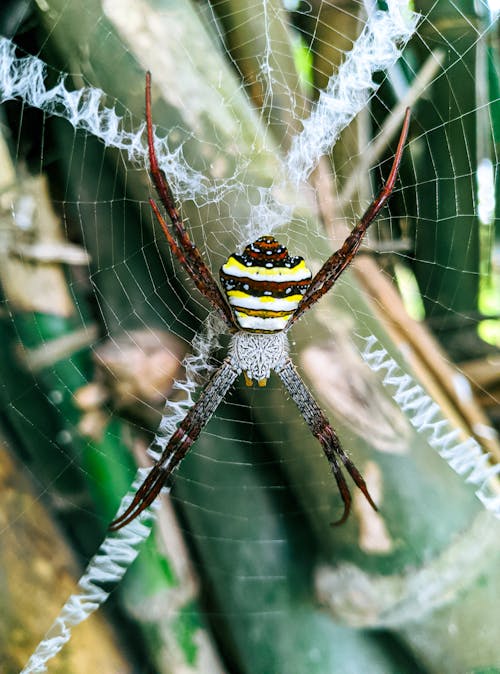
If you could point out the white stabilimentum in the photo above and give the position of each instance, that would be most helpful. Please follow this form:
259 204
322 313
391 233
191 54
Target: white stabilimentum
196 369
465 456
348 91
120 548
25 79
104 571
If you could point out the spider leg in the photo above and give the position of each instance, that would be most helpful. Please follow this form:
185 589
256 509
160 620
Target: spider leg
184 249
180 442
324 432
336 263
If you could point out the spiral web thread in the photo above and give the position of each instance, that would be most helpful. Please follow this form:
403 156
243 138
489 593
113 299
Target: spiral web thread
378 47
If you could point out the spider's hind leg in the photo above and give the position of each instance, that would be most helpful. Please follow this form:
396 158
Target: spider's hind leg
324 432
333 451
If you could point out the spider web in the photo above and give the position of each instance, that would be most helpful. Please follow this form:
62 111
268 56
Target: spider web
245 574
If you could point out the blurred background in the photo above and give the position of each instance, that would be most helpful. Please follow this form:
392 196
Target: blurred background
243 573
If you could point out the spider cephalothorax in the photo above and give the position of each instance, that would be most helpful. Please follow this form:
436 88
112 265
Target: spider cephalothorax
258 353
267 290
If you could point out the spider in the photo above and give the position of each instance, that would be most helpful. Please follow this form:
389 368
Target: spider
266 292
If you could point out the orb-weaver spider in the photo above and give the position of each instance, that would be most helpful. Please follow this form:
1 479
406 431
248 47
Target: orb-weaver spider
266 292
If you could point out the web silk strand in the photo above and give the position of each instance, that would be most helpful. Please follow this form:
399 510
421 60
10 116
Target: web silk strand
348 91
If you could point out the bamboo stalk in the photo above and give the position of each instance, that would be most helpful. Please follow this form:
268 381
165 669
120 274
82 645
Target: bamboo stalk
40 571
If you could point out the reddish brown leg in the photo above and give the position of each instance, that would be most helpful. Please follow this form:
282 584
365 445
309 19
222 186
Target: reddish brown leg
324 432
184 249
337 262
180 443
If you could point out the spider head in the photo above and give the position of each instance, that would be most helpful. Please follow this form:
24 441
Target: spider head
264 285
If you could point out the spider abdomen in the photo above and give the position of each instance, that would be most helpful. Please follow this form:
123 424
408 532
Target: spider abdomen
264 285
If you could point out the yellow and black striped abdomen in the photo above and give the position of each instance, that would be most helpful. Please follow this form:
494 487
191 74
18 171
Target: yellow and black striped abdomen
264 285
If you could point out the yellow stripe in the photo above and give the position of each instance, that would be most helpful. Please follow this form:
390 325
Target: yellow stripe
260 313
232 263
263 298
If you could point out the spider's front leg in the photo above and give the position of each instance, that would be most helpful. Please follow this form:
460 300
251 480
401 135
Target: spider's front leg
182 246
343 257
180 442
324 432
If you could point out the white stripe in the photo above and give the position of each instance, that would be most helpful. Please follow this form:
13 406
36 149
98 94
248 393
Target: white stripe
256 323
257 303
